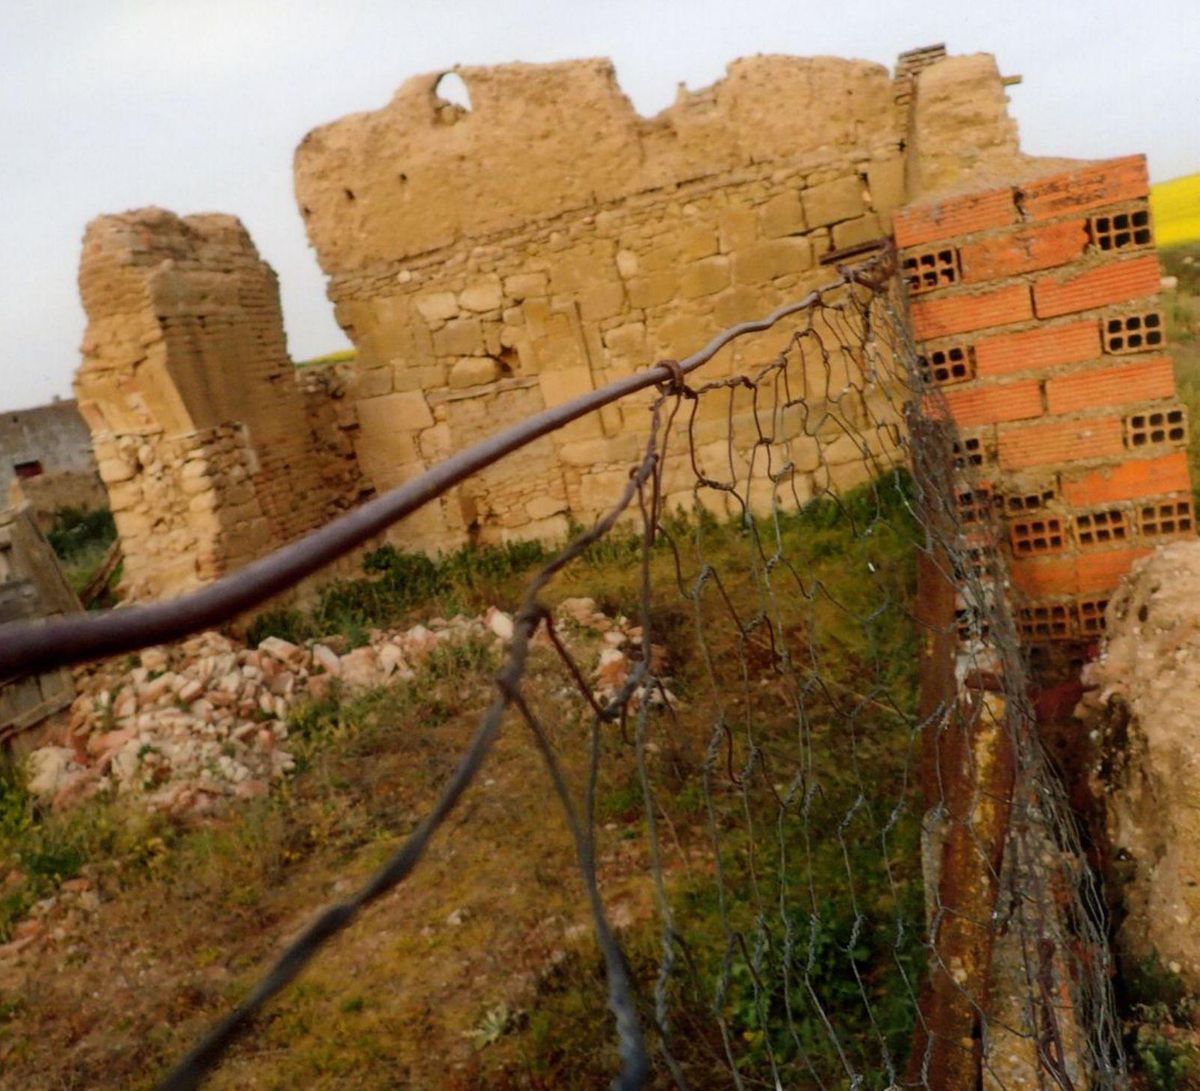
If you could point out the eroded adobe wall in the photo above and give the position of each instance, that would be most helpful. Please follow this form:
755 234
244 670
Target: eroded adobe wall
210 450
492 262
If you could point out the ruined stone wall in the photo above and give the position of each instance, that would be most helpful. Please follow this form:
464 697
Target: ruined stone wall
211 452
493 262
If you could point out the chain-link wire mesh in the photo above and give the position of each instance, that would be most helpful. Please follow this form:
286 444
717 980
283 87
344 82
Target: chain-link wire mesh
863 870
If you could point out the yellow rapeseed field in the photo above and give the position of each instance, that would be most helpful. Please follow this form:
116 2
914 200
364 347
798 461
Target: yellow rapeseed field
1176 208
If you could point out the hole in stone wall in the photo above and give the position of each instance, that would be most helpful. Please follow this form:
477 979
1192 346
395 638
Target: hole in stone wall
26 470
349 194
508 361
450 90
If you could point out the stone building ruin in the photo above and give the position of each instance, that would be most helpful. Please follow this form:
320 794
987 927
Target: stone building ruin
214 450
492 261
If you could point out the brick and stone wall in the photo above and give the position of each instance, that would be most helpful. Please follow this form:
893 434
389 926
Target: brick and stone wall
211 451
1035 307
494 261
46 461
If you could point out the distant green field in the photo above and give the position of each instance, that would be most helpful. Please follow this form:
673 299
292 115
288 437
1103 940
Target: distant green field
1176 208
340 357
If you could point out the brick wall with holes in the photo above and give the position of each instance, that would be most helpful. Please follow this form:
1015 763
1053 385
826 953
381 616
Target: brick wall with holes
1039 331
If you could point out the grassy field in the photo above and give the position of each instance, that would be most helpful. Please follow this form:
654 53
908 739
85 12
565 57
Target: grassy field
481 972
1182 306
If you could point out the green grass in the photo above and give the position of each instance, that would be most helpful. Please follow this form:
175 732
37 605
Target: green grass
342 356
368 766
81 539
1182 307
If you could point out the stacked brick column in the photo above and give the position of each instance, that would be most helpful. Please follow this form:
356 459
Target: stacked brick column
1035 310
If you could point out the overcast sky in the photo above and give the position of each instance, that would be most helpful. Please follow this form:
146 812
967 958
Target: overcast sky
196 105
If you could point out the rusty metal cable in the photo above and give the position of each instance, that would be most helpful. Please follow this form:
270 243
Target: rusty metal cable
32 647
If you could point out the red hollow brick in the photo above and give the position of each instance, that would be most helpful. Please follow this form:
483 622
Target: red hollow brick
954 216
1102 571
1079 574
1059 441
964 313
1023 251
994 404
1042 347
1130 480
1095 388
1112 283
1038 577
1092 186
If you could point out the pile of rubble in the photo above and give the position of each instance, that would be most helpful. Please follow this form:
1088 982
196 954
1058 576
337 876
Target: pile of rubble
188 726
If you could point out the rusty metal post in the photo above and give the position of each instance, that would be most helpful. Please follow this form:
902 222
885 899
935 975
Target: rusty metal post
967 775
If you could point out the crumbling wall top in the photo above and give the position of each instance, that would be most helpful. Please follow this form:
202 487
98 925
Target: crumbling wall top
539 139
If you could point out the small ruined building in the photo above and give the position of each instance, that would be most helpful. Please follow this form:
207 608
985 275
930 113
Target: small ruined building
46 460
492 261
32 585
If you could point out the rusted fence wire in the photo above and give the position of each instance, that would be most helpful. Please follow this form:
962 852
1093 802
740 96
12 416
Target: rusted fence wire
863 872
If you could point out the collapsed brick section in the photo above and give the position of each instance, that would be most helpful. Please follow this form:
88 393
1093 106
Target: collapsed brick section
211 451
1057 308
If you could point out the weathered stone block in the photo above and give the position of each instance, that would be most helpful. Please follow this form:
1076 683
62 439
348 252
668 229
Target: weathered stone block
473 371
482 295
437 307
459 337
770 259
653 290
602 301
830 202
402 412
852 232
782 215
373 383
562 386
704 277
738 228
521 286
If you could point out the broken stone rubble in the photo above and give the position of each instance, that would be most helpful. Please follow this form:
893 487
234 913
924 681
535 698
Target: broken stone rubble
185 728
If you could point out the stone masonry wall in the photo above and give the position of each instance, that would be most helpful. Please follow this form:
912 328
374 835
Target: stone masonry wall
493 262
211 452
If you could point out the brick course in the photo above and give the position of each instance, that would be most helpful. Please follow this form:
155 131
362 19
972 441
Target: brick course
1043 346
1058 441
995 404
1113 283
1093 186
952 217
1094 388
966 313
1028 250
1127 480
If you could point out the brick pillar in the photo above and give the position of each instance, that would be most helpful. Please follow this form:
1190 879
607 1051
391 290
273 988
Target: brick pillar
1034 306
